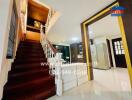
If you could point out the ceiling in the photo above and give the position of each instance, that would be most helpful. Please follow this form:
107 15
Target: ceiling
37 11
107 26
73 12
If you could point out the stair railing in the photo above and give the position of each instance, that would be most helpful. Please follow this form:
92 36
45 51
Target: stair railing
50 15
54 60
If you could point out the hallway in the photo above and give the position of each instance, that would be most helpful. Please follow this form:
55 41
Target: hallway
110 84
46 48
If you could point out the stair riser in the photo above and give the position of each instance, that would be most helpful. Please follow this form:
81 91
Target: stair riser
31 87
29 43
30 60
28 80
28 66
50 94
30 47
27 77
27 62
44 96
32 51
30 56
20 70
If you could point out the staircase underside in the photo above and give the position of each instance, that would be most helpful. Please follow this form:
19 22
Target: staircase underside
28 80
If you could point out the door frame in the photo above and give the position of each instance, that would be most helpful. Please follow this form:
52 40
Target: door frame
86 44
116 55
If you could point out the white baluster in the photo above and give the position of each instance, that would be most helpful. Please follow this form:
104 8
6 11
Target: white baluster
53 58
58 74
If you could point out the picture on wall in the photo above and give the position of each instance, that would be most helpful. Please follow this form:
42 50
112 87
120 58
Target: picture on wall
12 32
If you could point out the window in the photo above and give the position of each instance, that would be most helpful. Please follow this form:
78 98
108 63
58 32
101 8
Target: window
12 33
119 50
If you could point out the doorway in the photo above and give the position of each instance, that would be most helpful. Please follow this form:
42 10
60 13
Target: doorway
106 35
85 37
119 53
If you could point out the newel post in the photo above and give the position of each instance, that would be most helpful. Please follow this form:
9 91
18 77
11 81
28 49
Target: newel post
58 74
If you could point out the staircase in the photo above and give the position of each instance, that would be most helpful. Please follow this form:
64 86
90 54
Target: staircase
28 80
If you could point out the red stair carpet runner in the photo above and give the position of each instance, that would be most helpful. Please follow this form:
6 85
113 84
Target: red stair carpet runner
28 80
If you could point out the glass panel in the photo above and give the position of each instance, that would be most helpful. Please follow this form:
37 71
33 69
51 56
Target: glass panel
123 52
118 43
116 48
115 43
117 52
119 47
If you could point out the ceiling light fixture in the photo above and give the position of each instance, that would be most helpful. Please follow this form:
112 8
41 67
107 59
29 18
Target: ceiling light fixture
74 39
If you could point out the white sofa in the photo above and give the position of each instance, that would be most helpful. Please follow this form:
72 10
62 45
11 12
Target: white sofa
73 75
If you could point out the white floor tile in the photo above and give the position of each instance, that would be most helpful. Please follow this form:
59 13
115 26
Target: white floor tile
110 84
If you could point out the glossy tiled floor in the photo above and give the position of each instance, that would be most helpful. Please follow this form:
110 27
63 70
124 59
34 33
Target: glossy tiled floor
110 84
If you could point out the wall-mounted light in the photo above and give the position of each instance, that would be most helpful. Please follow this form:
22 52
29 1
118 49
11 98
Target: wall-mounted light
37 24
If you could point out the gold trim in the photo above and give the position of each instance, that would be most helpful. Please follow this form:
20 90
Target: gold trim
101 13
127 56
86 48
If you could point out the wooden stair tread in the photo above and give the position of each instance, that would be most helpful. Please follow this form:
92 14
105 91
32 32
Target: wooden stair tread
28 72
26 69
30 83
31 60
41 94
28 80
30 65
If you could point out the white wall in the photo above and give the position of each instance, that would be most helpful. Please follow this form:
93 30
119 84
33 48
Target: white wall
99 40
5 17
5 7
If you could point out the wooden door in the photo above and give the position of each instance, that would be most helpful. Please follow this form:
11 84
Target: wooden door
119 53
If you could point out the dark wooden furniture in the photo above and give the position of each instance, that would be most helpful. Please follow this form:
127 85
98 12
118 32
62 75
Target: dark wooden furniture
119 53
76 52
65 50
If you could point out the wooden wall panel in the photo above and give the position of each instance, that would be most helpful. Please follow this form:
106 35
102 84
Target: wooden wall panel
75 52
127 21
83 44
33 36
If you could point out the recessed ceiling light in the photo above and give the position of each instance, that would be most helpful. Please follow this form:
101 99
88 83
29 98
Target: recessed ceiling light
74 39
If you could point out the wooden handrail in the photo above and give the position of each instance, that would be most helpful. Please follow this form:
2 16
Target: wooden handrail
54 58
51 46
32 27
54 50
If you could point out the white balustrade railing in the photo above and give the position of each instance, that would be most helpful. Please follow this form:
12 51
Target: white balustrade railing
50 15
54 60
